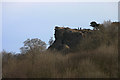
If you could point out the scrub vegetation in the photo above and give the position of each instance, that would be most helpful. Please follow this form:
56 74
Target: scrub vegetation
96 56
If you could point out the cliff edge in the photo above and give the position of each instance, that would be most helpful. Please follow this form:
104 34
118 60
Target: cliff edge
67 39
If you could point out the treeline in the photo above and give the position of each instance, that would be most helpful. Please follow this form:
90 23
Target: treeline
96 56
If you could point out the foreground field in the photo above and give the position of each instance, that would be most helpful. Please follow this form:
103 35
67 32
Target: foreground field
100 63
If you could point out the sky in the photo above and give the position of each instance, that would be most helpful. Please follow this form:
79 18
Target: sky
23 20
60 0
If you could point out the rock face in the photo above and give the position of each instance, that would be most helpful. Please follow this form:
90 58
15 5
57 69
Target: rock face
66 38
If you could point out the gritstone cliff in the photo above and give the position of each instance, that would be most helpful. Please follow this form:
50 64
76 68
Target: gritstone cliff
67 39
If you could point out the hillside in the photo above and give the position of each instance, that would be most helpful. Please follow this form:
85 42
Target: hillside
91 54
67 39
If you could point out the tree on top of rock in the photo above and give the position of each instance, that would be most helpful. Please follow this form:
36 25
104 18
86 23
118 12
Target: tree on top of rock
94 25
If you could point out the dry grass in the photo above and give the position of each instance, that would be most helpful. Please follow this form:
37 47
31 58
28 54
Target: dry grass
94 58
100 63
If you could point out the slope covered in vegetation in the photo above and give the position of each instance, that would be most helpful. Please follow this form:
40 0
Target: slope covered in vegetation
95 56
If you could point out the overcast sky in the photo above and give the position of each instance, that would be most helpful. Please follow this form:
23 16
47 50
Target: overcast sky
37 20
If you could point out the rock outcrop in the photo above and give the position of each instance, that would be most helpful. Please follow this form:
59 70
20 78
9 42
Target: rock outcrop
67 39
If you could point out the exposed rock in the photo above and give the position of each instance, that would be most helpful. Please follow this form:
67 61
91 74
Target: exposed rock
66 38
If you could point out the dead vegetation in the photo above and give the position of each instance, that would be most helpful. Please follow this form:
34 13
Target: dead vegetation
95 57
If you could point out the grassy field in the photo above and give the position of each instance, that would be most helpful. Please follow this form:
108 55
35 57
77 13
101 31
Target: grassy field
100 63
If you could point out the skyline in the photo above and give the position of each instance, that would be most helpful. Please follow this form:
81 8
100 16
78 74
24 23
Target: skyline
37 20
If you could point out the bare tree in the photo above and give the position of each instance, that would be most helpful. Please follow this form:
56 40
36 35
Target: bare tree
51 41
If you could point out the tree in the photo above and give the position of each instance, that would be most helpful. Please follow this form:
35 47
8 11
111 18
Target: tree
94 25
51 41
33 45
